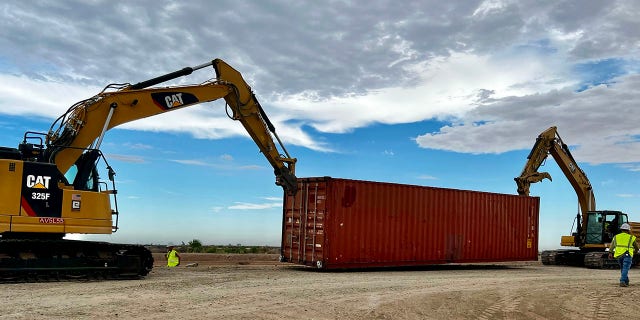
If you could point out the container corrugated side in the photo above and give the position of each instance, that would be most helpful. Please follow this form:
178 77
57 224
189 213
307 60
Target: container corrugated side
342 223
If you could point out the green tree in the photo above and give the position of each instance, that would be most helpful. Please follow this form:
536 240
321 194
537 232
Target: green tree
195 245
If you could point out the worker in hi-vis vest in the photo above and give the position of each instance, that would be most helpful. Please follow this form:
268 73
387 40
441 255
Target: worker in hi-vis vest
622 248
173 258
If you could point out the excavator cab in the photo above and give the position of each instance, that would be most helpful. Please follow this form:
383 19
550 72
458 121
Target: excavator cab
602 226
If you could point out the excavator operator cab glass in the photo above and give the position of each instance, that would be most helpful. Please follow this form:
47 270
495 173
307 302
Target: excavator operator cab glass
602 226
83 175
613 221
88 184
595 228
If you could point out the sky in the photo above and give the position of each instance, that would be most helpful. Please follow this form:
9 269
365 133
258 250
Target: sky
446 94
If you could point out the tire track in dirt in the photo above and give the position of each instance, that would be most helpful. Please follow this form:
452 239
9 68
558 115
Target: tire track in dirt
599 306
507 304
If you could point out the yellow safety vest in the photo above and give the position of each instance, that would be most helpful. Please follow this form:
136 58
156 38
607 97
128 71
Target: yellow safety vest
172 258
624 243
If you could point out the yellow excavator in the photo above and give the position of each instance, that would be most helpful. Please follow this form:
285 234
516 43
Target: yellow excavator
50 185
594 228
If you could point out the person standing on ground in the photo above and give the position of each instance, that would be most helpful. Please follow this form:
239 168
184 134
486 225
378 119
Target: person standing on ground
173 257
622 248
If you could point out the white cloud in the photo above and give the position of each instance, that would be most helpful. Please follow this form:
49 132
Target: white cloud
224 166
216 209
632 167
138 146
192 162
450 86
48 98
127 158
499 71
600 122
254 206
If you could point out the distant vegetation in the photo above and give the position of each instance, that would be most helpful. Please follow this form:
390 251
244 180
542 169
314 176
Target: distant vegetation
196 246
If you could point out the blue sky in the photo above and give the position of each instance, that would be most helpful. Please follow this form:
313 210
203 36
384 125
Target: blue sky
438 94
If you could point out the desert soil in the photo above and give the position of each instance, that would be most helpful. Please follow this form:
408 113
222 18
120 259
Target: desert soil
259 287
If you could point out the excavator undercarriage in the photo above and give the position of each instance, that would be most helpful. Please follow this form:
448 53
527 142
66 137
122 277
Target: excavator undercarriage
59 259
592 260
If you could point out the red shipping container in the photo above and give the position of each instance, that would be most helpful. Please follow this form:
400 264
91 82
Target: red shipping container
333 223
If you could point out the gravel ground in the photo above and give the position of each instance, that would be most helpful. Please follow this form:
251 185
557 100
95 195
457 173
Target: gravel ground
259 287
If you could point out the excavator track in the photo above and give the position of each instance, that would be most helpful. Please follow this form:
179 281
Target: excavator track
32 260
562 257
593 260
548 257
600 260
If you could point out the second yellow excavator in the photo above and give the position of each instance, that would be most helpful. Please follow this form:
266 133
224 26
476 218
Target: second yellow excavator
594 228
50 185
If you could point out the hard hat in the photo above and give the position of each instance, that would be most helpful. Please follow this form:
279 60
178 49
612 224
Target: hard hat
625 226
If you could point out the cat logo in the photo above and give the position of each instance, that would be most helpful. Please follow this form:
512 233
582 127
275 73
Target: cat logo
38 182
174 100
170 100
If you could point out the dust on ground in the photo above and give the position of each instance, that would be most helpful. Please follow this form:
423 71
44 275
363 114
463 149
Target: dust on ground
259 287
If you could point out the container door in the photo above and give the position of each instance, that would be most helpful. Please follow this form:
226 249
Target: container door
303 225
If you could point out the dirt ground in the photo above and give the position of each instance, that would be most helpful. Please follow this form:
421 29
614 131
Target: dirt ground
259 287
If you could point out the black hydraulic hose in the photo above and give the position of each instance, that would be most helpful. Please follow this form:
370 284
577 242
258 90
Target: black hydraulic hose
169 76
161 79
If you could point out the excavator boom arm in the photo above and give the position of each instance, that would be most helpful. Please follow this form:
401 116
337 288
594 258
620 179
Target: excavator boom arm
85 123
549 142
